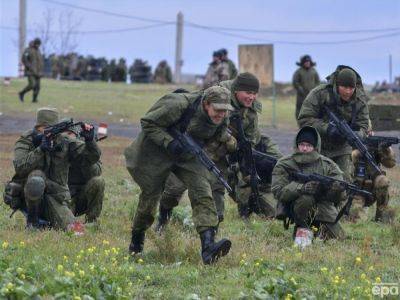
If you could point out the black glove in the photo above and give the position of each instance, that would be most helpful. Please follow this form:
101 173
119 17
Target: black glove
175 148
37 139
88 135
46 144
334 134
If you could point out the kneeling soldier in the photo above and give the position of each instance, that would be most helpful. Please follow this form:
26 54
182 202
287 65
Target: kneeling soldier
308 204
41 165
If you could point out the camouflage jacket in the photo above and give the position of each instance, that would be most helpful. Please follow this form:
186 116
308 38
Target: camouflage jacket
151 144
313 113
249 115
28 157
287 191
304 80
33 61
232 69
216 72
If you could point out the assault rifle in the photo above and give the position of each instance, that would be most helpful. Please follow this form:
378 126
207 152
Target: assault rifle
245 157
326 182
190 146
60 127
353 139
375 142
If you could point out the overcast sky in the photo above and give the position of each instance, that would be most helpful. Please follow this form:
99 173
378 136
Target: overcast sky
370 58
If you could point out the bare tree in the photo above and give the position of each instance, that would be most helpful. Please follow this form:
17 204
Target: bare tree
43 31
67 35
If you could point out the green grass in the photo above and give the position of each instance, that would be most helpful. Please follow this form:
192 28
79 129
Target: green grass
116 102
262 264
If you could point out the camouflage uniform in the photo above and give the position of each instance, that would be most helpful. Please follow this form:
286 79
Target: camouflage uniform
378 185
355 112
154 155
86 186
33 62
162 73
44 174
308 209
263 143
174 188
304 80
216 72
233 72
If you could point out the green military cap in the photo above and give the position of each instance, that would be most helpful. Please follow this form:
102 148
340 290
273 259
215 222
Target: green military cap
246 82
346 77
219 97
46 116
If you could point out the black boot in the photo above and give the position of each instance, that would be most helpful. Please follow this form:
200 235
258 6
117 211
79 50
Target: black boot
32 218
244 211
164 215
211 251
21 96
137 242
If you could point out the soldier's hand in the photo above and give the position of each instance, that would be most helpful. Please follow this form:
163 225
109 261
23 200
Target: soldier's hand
47 143
175 148
87 132
334 134
310 188
336 187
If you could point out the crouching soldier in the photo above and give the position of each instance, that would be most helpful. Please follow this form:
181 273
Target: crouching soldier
378 184
86 186
41 165
308 205
157 152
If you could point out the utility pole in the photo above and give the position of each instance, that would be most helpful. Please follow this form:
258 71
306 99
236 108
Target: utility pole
390 68
178 50
22 34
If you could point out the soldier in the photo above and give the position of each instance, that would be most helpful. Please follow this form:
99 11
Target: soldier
231 65
41 171
216 71
162 73
174 188
377 184
304 80
344 95
155 154
121 70
308 204
244 91
86 186
33 62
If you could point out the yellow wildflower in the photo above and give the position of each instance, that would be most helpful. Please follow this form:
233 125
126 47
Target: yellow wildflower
242 262
105 242
288 297
293 280
257 264
20 270
10 286
76 265
358 260
77 298
148 277
363 276
91 267
22 244
78 257
324 269
314 228
130 284
378 280
371 268
343 280
339 269
81 273
5 245
140 261
60 268
244 255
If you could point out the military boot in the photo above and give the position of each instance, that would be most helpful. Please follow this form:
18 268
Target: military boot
211 251
32 218
137 242
164 216
21 96
244 211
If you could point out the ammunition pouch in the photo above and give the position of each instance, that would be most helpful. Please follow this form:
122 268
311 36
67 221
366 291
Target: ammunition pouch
13 195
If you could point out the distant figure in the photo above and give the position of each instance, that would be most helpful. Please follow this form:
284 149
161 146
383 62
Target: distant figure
162 73
33 62
231 65
304 80
140 71
216 71
121 71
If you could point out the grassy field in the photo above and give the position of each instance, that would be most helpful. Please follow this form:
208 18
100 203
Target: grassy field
262 264
115 102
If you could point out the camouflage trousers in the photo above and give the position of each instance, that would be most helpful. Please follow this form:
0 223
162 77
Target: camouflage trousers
345 164
88 198
53 204
174 190
304 212
33 84
152 182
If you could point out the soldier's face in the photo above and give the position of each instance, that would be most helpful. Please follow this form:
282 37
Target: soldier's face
246 98
305 147
307 64
216 115
346 92
40 128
